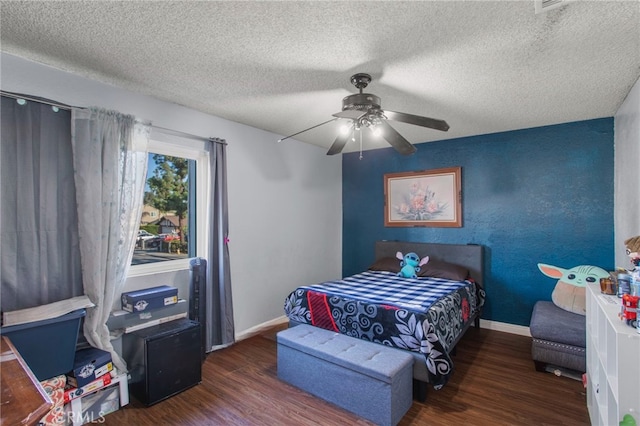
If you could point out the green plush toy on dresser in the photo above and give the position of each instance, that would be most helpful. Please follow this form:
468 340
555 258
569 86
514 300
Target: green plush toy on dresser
569 292
628 420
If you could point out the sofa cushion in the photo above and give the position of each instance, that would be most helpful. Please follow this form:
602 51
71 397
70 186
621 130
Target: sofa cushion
548 322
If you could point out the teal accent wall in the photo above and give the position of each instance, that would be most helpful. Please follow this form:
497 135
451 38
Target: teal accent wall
539 195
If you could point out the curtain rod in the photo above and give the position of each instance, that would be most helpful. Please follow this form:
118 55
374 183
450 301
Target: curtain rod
189 135
70 107
37 99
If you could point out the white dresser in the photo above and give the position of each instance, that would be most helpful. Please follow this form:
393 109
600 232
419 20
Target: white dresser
613 361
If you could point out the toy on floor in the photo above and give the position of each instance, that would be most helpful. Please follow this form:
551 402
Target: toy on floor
410 264
569 292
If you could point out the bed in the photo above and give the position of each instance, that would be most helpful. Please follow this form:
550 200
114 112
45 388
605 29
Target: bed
426 315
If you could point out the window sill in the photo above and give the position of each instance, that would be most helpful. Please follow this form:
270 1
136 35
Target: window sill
158 267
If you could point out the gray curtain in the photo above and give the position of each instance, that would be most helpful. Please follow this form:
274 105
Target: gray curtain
110 164
220 326
40 258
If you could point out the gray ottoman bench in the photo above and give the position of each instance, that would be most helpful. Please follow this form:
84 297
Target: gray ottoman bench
371 380
559 337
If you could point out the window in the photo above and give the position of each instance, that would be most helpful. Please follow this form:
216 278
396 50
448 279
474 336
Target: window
174 206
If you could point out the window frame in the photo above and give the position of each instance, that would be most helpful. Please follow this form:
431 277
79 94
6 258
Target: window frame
196 150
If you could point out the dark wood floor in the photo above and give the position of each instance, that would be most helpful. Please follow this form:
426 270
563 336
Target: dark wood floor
494 383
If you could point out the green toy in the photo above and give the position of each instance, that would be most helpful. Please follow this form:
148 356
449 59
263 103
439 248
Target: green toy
628 420
569 292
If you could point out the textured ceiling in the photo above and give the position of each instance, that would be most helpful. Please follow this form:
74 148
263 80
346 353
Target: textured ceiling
483 66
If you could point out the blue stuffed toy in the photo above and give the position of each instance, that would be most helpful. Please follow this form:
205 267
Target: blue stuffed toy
410 264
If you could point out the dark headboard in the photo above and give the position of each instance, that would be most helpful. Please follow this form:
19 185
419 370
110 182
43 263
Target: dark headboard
467 255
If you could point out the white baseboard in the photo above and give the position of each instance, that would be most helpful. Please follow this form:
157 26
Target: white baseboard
488 324
505 327
260 328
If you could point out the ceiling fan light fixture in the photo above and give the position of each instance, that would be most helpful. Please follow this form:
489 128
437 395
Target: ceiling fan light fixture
345 128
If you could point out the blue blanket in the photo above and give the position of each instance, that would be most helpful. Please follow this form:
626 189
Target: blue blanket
387 288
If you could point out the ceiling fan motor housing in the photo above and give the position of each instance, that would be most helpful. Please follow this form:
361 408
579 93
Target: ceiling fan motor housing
367 103
361 102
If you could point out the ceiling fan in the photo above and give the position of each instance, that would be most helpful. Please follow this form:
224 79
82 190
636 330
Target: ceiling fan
365 113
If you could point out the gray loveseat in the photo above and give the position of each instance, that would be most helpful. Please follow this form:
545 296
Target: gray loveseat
559 337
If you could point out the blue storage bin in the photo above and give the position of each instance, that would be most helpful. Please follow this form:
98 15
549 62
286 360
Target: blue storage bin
48 346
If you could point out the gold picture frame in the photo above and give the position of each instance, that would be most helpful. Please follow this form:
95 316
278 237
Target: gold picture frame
430 198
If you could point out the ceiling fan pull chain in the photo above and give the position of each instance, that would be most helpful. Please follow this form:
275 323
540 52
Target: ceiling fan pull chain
360 144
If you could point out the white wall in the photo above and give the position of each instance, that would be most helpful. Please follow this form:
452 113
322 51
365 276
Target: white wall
627 174
285 200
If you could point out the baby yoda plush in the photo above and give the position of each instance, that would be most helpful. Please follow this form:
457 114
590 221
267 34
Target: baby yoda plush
569 292
410 264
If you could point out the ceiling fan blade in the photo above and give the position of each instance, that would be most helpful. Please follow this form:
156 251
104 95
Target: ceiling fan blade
395 139
302 131
339 143
353 114
432 123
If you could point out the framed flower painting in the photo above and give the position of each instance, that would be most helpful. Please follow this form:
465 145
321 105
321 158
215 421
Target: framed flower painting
425 198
